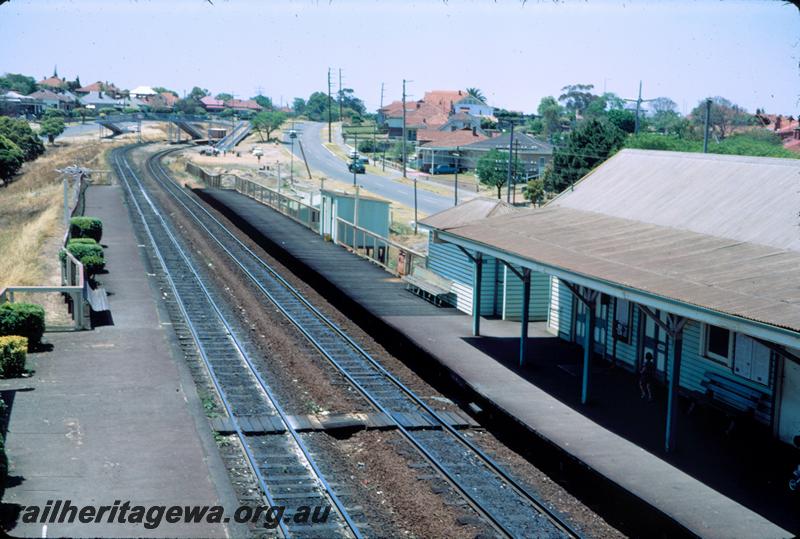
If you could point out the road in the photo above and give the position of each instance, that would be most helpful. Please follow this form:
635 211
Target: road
322 160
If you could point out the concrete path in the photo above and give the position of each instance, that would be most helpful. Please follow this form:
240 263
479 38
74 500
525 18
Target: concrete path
112 414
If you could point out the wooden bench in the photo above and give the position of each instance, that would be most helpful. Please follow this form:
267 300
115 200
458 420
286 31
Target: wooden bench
428 285
733 398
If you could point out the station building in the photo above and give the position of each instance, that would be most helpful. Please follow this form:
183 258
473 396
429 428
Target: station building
693 258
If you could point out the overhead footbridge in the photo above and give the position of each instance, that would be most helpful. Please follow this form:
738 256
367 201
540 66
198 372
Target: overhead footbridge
237 134
189 123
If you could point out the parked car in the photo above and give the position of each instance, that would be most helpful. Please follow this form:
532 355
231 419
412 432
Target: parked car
357 167
364 160
444 169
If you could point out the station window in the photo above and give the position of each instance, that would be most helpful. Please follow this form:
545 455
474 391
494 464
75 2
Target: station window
623 314
718 343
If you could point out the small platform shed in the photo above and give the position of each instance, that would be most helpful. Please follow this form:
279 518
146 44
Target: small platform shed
338 216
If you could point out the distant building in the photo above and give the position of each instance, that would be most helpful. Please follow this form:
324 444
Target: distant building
533 153
100 100
211 104
16 104
50 99
53 83
142 92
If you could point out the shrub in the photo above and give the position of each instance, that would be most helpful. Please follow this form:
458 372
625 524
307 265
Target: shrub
93 264
13 350
86 227
88 253
24 319
80 249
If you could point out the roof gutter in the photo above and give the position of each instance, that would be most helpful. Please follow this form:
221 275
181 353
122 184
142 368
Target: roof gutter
768 332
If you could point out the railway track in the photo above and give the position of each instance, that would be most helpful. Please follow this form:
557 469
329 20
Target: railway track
285 471
506 504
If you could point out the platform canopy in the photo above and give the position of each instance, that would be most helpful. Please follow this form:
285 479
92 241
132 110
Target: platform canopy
744 286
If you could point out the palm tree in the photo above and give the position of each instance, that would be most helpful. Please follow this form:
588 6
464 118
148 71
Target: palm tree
476 93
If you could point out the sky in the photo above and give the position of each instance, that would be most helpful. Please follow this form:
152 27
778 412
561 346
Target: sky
515 52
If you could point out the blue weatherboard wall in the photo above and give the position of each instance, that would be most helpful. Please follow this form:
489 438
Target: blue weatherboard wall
450 262
694 365
539 296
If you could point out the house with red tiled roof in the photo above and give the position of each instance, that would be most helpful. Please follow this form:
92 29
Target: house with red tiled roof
100 88
436 147
52 83
211 104
243 105
445 100
419 115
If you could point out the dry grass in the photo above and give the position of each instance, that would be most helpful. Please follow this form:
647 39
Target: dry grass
31 213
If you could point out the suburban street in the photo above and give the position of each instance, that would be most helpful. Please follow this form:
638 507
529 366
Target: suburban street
321 159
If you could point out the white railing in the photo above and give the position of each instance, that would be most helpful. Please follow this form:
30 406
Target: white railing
392 256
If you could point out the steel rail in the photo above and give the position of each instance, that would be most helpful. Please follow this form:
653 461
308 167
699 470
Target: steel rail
241 351
532 499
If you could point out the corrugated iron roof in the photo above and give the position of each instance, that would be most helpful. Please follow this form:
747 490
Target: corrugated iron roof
752 199
468 212
523 142
747 280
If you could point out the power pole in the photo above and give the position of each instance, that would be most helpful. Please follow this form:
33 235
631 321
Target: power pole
707 124
404 143
510 158
638 102
340 94
381 95
330 104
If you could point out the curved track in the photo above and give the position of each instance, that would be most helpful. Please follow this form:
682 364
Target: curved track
490 490
281 463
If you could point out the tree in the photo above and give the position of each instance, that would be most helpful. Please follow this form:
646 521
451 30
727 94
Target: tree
51 127
21 134
591 143
577 97
552 115
317 107
534 190
476 93
663 104
268 121
189 105
350 101
18 82
224 97
198 93
74 84
162 90
624 120
724 116
11 158
491 171
263 101
299 105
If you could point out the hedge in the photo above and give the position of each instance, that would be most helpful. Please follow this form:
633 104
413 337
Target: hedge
24 319
86 241
89 253
86 227
13 350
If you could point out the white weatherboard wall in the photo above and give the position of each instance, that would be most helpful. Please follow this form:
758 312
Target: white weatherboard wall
450 262
512 295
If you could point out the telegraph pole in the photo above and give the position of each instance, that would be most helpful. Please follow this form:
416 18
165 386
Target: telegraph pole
707 124
638 102
381 95
329 106
404 147
510 159
340 94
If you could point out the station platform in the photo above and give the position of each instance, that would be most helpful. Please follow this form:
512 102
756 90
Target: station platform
111 415
486 365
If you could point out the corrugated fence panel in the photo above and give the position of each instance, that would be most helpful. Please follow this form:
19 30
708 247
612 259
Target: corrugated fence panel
552 314
564 312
